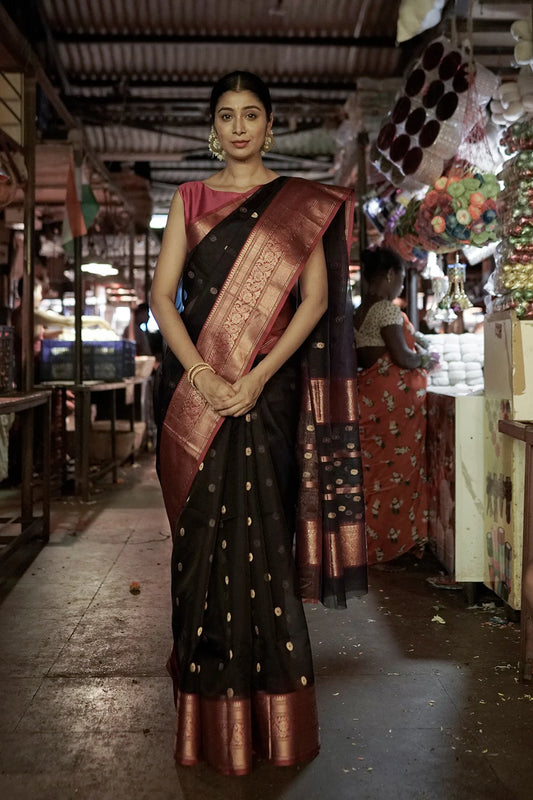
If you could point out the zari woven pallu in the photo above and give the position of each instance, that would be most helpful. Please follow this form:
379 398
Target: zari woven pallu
266 510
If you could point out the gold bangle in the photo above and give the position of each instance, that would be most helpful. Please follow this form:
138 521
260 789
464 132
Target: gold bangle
192 370
196 371
201 369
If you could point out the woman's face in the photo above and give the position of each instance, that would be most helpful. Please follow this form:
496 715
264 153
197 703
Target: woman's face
241 124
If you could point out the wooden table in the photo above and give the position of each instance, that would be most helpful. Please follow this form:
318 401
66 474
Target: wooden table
26 404
523 431
82 393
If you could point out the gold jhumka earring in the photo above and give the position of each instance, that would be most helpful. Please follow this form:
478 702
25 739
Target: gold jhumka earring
215 148
268 144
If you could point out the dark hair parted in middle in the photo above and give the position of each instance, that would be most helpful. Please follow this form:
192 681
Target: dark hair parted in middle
375 263
241 82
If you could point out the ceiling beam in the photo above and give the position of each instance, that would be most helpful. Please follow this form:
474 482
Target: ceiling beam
181 104
373 42
323 84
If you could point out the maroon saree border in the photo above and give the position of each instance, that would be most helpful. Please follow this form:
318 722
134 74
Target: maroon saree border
282 728
257 287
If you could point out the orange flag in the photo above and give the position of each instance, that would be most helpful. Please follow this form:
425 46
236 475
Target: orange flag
73 221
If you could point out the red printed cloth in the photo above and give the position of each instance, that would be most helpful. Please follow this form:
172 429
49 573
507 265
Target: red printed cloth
392 425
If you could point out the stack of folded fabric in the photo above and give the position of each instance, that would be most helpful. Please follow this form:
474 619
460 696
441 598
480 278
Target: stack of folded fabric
461 362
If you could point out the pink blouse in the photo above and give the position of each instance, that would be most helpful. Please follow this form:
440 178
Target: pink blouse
199 199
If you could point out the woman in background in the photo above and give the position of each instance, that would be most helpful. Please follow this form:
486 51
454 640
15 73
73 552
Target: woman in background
392 394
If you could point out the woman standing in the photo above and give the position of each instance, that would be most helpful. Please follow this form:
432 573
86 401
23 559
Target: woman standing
392 404
258 439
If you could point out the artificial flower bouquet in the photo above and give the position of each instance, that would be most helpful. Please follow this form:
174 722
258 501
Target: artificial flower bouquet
459 209
403 237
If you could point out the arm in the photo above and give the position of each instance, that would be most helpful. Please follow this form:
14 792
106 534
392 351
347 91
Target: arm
314 296
163 303
52 319
400 354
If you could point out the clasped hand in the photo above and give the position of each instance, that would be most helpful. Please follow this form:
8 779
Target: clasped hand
229 400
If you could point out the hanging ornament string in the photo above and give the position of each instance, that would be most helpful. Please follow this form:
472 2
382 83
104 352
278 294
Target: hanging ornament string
474 148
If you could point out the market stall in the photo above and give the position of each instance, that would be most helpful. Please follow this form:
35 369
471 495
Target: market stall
456 153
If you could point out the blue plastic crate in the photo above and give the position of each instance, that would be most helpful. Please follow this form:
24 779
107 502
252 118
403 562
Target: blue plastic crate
102 361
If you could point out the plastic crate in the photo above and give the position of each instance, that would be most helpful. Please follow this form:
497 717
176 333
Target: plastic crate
102 361
6 358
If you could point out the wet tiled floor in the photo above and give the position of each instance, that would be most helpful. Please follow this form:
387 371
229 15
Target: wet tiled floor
410 708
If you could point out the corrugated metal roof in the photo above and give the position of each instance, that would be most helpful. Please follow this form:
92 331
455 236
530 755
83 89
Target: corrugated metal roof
169 63
137 74
222 16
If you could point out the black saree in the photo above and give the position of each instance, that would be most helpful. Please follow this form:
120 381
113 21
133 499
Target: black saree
241 662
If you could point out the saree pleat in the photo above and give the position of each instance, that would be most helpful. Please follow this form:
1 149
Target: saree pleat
241 662
240 636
